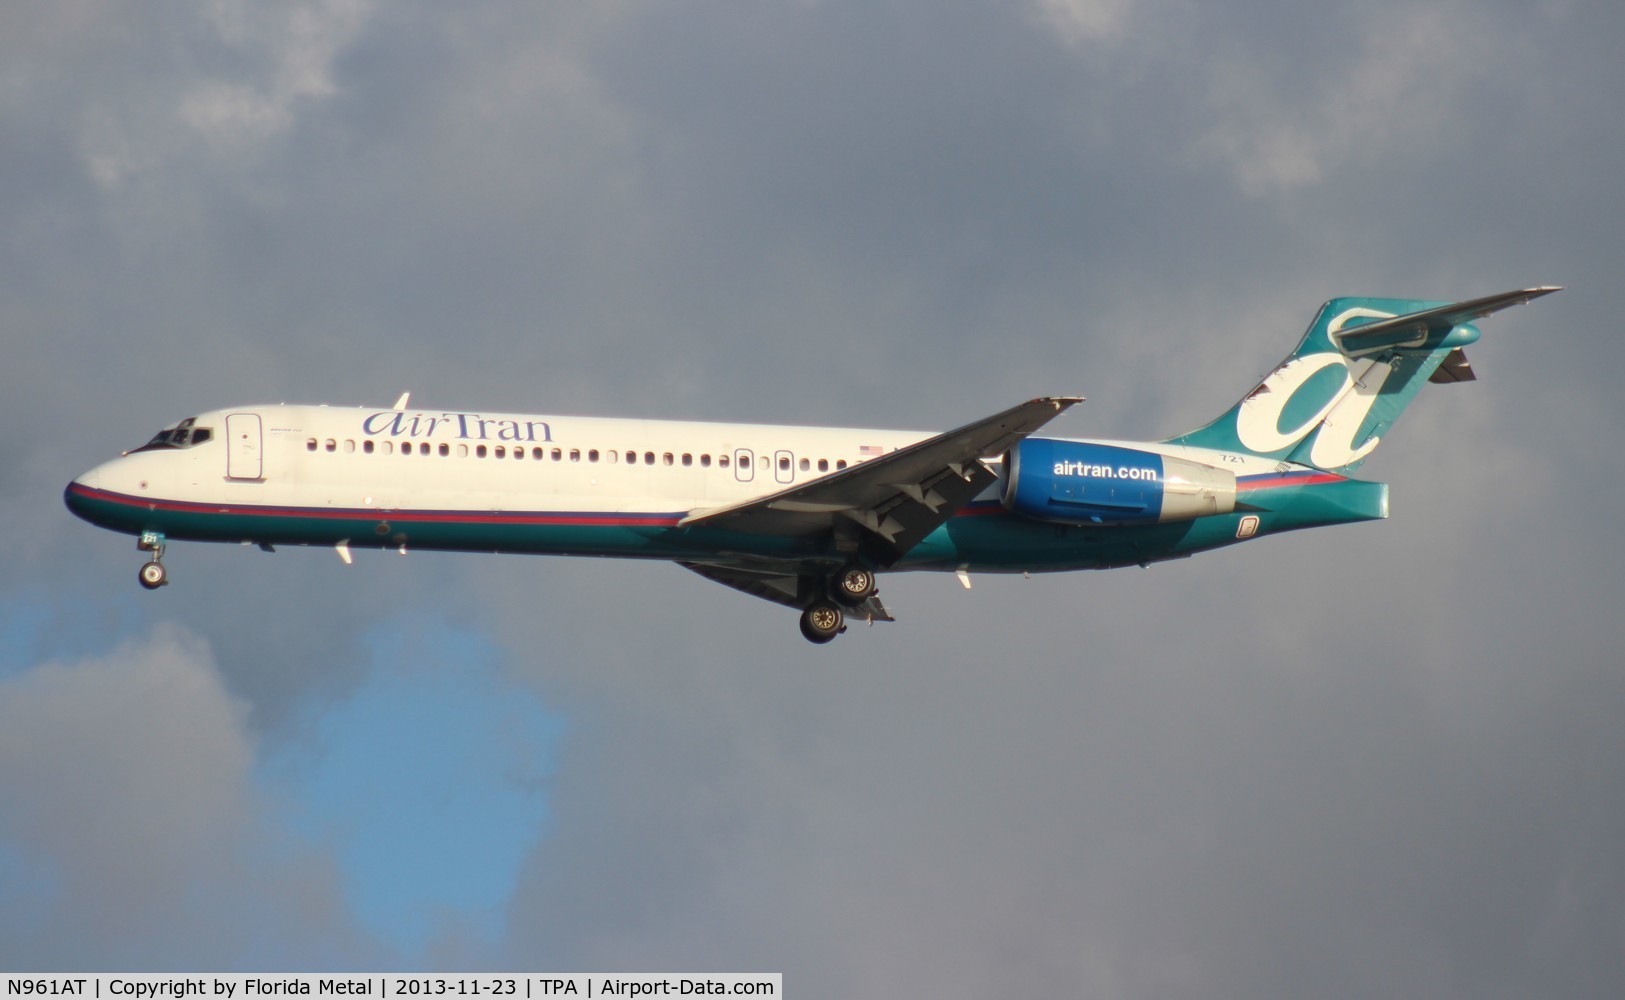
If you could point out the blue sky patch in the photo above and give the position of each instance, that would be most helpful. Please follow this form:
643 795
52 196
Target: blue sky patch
429 782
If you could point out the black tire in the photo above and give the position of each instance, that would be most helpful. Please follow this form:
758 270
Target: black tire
822 622
153 575
853 585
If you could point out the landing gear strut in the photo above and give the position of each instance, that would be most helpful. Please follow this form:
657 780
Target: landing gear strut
153 575
822 621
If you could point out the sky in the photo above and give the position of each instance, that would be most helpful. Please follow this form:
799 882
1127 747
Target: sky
1372 760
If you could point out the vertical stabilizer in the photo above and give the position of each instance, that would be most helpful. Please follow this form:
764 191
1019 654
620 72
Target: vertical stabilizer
1360 363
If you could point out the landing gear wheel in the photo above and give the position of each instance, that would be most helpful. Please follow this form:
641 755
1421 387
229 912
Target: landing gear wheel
153 575
822 622
853 585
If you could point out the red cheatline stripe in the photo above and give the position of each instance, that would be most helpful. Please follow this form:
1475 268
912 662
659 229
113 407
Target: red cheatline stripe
1270 481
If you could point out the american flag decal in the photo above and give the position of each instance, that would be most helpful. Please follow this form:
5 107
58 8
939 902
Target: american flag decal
871 450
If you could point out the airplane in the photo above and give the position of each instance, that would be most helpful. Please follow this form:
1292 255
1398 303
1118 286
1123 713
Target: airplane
806 517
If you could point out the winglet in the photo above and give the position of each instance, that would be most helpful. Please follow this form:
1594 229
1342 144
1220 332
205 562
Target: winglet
400 404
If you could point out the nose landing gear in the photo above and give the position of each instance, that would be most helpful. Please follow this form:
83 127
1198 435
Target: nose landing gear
153 575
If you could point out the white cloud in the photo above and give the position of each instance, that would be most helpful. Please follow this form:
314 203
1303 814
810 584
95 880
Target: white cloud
236 86
300 44
1081 22
129 801
1398 84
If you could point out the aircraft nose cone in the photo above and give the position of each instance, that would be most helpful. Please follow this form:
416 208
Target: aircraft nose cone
74 495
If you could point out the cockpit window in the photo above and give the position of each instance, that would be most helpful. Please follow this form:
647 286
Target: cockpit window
182 435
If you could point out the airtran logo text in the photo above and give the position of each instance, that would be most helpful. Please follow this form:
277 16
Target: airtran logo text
1105 471
457 426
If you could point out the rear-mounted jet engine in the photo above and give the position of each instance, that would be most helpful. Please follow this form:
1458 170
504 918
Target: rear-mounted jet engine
1070 482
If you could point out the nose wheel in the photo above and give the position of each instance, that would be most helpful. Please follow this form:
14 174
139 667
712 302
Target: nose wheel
153 575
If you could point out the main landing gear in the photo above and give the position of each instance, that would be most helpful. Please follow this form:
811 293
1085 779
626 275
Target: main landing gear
853 585
823 619
153 575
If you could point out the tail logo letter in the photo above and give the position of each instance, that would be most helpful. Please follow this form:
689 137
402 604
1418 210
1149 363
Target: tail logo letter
1258 421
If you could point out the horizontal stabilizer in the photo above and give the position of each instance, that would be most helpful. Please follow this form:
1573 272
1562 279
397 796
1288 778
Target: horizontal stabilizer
1454 368
1418 329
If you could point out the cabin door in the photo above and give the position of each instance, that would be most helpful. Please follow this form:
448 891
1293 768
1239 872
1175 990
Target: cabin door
244 447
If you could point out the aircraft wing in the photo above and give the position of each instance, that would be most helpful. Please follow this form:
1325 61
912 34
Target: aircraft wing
779 587
897 499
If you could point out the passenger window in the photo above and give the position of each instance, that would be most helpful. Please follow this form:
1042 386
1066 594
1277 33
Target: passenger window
705 461
575 454
688 459
479 451
558 456
445 451
331 445
349 447
462 451
823 465
805 465
406 448
592 456
631 458
666 459
784 463
612 456
537 454
310 444
367 446
722 461
387 446
648 458
501 452
841 464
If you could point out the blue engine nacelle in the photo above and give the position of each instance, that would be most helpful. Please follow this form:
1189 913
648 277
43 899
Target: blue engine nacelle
1074 482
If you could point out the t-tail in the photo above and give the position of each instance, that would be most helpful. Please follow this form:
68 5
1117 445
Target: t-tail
1331 401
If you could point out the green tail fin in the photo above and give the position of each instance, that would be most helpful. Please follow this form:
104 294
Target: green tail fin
1361 362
